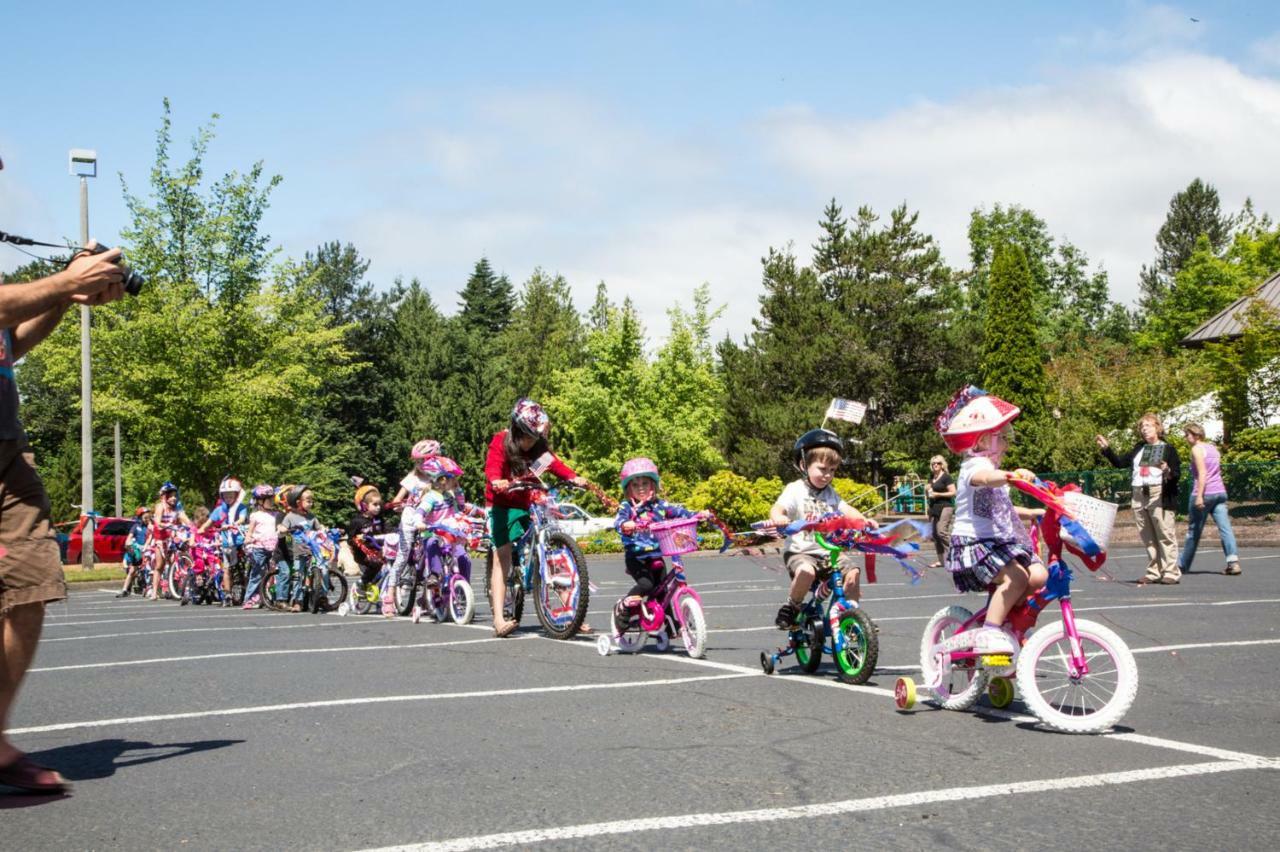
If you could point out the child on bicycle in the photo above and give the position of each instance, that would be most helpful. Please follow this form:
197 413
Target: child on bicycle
167 514
419 510
204 563
228 517
135 542
262 537
364 525
990 548
517 452
299 518
640 508
817 454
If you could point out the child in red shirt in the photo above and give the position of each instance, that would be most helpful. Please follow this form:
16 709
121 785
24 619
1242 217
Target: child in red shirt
514 453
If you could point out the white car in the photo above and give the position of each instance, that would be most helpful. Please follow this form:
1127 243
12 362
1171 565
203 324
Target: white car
578 523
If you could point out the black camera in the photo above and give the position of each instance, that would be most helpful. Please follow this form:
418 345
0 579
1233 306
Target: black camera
133 280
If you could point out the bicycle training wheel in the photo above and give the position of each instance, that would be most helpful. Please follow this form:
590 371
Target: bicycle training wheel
1073 703
857 659
959 683
560 592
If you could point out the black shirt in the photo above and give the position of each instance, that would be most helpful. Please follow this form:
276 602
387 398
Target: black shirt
362 525
936 504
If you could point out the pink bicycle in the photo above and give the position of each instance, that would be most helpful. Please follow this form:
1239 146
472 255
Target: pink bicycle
1075 676
674 608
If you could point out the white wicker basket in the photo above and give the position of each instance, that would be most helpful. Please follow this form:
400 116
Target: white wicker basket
1098 517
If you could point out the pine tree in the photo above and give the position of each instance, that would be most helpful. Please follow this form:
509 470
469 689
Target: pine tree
486 300
1012 364
1193 212
545 334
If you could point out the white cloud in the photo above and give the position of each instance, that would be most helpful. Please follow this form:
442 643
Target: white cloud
1097 155
538 179
1267 50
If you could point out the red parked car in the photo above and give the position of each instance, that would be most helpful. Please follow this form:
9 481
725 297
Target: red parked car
109 535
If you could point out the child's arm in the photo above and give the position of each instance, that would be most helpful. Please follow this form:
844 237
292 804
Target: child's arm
624 522
252 523
1028 514
779 515
851 513
995 478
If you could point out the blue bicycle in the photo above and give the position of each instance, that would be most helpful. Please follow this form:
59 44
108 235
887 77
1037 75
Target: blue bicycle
840 628
546 562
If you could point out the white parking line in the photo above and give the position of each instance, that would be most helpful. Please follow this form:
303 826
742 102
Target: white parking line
1156 649
286 652
829 809
349 702
186 616
332 622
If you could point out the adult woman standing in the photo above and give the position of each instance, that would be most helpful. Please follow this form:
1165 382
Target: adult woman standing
1208 499
941 492
1155 496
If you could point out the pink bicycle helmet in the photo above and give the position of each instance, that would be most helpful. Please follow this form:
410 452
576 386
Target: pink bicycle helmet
260 491
425 449
432 467
971 414
450 467
639 466
528 418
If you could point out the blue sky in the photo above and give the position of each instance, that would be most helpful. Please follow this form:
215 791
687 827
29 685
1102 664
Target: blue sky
653 146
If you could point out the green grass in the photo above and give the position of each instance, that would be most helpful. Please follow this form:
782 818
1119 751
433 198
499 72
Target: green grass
97 574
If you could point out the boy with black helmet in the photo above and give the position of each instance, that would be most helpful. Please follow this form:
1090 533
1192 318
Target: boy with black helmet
817 454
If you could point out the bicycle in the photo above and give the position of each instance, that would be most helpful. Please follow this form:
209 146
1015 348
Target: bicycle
674 608
452 596
842 629
547 562
323 588
1075 676
178 561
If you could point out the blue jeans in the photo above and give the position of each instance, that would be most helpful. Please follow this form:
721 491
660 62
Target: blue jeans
259 558
1215 505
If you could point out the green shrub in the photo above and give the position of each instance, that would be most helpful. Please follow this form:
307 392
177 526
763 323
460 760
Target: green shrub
859 495
1254 445
735 500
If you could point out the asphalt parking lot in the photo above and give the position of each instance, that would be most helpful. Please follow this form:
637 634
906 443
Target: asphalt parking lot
221 729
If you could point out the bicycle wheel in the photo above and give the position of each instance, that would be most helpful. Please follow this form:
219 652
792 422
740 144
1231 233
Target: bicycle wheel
560 592
365 597
237 585
1076 704
406 591
694 632
462 601
809 649
957 684
857 659
336 592
271 593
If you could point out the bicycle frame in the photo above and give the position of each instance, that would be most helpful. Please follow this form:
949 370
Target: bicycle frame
654 611
542 522
812 612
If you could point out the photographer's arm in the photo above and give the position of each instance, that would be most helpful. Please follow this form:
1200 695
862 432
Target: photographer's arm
33 309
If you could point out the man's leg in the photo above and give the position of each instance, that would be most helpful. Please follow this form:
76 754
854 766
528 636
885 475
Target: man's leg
20 627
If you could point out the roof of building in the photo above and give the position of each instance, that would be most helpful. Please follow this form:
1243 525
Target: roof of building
1224 324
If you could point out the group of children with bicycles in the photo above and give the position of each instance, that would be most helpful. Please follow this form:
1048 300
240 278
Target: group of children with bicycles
990 540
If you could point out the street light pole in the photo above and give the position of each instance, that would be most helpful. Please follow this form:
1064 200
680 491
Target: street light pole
84 163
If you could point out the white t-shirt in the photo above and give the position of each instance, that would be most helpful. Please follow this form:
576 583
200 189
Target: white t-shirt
416 484
800 502
985 512
1146 464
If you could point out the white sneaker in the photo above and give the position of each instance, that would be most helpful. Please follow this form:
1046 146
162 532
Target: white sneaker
991 641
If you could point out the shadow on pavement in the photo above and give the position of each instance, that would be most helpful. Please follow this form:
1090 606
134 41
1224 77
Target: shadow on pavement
100 759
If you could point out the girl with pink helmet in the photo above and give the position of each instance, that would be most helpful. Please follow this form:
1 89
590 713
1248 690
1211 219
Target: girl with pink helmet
990 547
417 481
640 508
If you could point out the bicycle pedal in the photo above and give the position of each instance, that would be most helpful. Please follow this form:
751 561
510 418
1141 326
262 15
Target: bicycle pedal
997 661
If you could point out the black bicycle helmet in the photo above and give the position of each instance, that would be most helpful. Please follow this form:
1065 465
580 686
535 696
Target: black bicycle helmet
295 494
813 439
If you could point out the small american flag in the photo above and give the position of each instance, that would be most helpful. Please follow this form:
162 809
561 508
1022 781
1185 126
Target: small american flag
846 409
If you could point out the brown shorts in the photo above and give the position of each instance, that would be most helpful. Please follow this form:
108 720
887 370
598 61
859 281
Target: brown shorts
821 565
31 567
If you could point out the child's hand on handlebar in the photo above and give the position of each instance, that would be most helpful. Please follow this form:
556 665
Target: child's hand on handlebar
628 527
1023 474
501 484
579 481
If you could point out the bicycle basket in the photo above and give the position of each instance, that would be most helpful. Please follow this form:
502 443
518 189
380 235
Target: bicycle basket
676 536
1098 517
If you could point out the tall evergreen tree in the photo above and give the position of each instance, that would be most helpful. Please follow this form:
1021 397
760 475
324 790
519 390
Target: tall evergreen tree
486 300
1012 364
545 334
1193 212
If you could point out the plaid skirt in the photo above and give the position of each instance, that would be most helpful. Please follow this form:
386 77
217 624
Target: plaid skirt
974 562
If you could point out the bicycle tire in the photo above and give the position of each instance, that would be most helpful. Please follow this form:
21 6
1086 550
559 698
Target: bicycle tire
462 601
338 590
270 600
856 661
809 652
1035 668
960 685
561 546
694 632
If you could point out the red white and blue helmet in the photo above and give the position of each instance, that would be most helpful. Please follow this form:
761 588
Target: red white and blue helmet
528 418
971 414
639 466
230 485
167 488
264 490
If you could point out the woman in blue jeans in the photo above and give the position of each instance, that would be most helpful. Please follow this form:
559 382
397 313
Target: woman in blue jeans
1208 499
